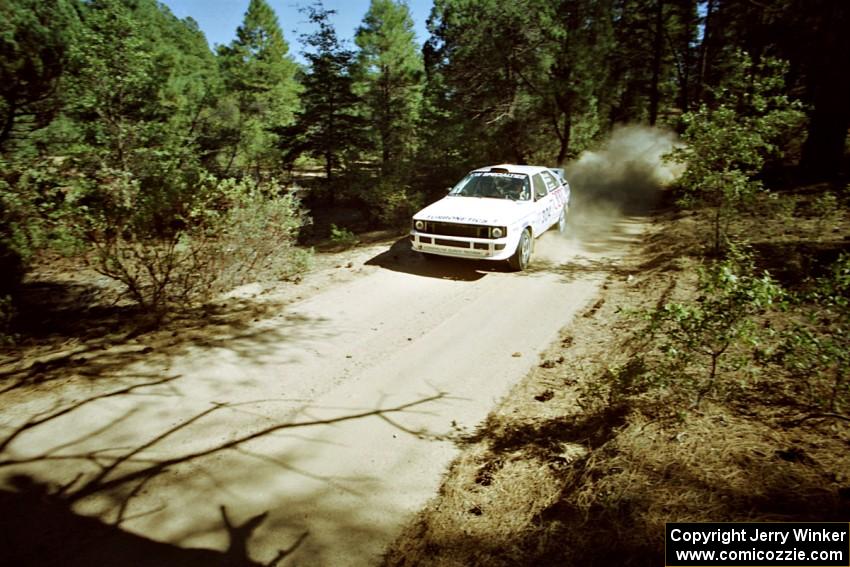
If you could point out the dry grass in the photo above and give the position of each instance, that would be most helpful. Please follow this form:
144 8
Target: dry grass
557 477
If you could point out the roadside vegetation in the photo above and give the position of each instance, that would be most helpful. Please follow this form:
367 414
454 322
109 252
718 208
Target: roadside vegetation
129 145
708 383
711 381
696 388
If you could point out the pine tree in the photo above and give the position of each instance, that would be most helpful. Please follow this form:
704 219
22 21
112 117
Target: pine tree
260 79
328 125
391 65
578 82
35 44
812 36
135 110
490 56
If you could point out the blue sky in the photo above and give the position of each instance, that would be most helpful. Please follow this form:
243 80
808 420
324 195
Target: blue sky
218 19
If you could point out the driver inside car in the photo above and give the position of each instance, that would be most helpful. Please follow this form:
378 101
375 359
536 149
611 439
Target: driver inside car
517 190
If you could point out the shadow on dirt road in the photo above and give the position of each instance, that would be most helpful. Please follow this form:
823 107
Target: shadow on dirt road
39 525
401 258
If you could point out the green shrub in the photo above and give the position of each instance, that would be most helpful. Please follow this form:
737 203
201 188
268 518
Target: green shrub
341 236
727 145
815 348
234 233
18 229
827 210
390 202
698 344
825 205
774 205
33 214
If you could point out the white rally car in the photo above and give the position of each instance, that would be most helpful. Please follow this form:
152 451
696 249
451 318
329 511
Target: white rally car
494 213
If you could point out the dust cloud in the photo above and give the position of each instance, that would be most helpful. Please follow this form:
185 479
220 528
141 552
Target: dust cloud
622 179
628 171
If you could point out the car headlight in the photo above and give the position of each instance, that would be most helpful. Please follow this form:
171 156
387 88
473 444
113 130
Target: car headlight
419 224
497 232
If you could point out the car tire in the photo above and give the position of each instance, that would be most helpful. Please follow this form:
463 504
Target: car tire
427 257
522 256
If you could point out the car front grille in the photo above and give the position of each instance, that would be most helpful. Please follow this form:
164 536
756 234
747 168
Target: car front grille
456 229
452 243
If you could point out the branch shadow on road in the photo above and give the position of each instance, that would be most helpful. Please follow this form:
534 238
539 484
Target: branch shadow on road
77 333
40 523
43 530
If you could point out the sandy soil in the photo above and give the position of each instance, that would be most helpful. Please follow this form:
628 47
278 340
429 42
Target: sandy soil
334 414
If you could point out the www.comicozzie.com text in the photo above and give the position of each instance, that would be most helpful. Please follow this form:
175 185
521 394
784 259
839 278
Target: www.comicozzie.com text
758 534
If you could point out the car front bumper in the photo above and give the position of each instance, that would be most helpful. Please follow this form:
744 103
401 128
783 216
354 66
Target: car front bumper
464 247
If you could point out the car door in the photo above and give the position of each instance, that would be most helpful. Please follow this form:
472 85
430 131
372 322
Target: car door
557 196
542 204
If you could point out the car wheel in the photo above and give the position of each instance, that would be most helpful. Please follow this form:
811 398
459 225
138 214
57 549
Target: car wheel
562 220
519 261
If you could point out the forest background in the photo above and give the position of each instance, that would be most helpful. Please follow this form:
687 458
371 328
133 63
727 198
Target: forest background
180 171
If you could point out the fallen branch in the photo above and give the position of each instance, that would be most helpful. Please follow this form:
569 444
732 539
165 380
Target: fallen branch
800 421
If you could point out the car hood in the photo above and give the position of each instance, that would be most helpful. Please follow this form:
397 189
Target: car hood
474 210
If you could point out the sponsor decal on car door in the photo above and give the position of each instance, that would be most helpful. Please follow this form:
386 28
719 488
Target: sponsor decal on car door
555 198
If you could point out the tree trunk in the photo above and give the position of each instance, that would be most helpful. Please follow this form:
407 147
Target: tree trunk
564 139
686 52
718 215
8 122
823 152
703 52
329 178
657 51
385 120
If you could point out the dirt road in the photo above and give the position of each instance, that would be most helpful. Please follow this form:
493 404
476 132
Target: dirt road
335 416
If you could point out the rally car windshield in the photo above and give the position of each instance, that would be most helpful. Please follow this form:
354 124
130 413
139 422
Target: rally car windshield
489 185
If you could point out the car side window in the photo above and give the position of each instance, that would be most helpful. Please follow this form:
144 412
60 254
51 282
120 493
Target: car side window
551 182
525 194
539 187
